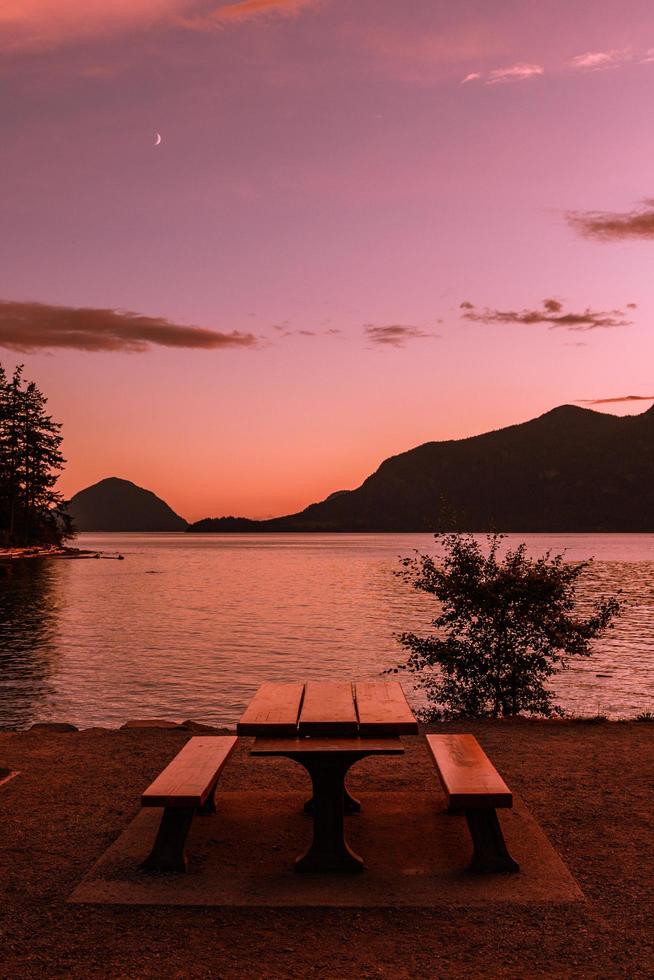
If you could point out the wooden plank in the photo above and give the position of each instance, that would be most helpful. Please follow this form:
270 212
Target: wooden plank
273 710
328 709
467 774
315 746
190 777
383 709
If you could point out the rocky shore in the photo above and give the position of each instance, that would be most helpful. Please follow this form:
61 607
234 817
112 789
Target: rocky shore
8 555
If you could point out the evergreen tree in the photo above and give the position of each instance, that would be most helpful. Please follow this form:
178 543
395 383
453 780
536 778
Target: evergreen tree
31 510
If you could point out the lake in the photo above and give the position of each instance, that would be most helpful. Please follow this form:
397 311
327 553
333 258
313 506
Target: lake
189 625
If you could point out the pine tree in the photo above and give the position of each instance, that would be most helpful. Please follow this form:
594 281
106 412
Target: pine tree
31 510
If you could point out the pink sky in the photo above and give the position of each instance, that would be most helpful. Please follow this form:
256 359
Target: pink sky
328 170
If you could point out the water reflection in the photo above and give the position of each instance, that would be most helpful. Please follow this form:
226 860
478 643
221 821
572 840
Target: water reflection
29 609
98 642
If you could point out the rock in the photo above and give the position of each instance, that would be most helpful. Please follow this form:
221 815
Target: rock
197 726
149 723
53 726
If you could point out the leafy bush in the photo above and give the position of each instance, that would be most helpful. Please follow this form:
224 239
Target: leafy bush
507 624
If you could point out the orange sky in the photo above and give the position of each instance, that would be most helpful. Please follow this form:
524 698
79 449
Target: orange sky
333 182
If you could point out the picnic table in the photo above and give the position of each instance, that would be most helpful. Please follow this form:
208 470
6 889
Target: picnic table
327 727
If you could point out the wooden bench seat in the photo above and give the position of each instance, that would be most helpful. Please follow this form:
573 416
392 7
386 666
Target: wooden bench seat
186 786
473 785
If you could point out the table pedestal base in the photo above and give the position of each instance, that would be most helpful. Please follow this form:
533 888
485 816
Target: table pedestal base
350 803
329 851
327 760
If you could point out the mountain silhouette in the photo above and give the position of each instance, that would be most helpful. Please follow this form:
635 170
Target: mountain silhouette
572 469
119 505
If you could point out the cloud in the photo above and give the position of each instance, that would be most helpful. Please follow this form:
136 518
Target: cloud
234 13
607 226
515 73
27 25
27 327
608 401
35 24
551 314
597 60
242 11
393 335
474 76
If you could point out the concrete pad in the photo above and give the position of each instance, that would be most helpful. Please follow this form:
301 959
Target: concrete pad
415 854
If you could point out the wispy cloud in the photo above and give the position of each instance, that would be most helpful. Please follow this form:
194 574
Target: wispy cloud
599 60
394 335
615 225
588 61
245 10
27 25
608 401
551 314
28 327
514 73
35 24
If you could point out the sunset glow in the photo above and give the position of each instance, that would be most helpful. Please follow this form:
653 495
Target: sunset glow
366 226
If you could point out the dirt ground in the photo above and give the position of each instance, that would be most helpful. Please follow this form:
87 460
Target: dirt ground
590 786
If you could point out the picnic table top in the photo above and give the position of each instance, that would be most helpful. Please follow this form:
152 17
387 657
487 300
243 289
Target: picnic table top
328 709
385 745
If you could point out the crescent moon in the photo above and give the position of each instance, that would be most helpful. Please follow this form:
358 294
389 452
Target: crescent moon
158 139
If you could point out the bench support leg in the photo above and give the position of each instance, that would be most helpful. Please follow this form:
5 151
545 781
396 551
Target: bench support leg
168 854
329 851
350 803
490 853
209 805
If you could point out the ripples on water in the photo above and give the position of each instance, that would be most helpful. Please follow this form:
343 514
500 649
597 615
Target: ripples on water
188 627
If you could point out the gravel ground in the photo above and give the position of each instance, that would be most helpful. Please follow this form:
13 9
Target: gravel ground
591 787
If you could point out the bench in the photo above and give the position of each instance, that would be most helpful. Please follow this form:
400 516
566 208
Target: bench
186 786
473 785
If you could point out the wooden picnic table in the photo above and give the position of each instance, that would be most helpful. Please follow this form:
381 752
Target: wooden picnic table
327 727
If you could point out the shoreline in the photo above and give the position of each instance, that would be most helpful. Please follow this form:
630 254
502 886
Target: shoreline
8 555
642 720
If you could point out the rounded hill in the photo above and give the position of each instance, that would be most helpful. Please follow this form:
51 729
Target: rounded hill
119 505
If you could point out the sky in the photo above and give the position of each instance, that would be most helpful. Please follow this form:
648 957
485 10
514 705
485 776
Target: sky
364 226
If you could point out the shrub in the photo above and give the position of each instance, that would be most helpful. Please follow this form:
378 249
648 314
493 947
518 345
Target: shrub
506 625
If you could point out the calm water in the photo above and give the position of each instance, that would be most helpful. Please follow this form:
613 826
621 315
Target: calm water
187 627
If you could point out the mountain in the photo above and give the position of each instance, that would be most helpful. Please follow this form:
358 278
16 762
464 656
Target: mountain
571 469
119 505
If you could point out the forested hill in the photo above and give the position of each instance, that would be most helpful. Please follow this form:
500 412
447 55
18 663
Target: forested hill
571 469
119 505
